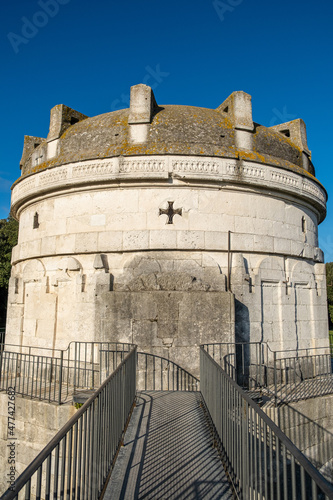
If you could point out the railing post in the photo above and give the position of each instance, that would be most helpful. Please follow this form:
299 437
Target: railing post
1 367
92 364
60 375
275 379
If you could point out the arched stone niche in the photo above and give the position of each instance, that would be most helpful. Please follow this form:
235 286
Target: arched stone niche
144 272
270 290
304 295
34 270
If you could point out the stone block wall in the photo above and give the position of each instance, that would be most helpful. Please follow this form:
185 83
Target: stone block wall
309 425
36 423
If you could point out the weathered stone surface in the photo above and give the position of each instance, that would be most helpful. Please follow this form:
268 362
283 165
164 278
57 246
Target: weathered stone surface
179 320
36 423
309 425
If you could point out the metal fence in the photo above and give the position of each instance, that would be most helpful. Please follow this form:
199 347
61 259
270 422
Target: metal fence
156 373
244 362
56 375
39 377
283 375
261 461
52 374
77 462
301 376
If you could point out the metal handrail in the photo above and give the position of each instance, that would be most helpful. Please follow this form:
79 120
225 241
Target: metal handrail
162 374
282 374
52 377
40 377
84 365
298 350
34 350
89 431
261 461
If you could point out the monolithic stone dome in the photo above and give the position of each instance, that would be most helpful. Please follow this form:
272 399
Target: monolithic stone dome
174 129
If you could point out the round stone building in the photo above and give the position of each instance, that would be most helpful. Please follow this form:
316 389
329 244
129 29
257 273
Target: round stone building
168 226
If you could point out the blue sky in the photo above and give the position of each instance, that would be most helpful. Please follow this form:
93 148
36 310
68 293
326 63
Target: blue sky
87 55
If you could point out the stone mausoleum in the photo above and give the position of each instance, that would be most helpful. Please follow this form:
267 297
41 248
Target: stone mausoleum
168 226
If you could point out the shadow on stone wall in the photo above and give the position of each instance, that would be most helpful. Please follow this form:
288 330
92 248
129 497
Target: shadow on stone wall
309 425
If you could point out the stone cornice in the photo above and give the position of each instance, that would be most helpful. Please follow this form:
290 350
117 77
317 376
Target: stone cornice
140 169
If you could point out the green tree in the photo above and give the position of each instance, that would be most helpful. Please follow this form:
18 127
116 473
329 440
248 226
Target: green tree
8 239
329 281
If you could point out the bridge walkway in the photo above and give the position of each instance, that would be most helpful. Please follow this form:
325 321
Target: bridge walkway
168 452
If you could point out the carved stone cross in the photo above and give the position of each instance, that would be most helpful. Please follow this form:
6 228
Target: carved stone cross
170 212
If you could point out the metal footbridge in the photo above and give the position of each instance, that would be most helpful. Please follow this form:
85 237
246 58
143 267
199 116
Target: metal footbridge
169 440
168 452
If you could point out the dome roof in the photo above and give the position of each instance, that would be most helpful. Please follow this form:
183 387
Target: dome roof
171 129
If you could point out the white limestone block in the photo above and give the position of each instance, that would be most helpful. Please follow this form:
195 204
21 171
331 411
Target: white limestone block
78 224
135 240
241 241
216 240
31 248
98 220
126 221
117 200
48 245
274 210
15 253
138 133
110 241
245 224
163 239
190 240
52 148
282 245
213 222
65 244
226 202
73 205
263 243
85 242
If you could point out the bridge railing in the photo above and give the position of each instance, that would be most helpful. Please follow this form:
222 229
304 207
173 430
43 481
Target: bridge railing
34 376
261 461
54 374
330 336
156 373
244 362
300 375
77 462
286 375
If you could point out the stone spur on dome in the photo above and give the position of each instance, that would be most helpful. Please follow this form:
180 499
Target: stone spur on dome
212 217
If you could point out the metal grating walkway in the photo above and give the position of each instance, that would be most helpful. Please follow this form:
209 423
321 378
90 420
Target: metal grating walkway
167 452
